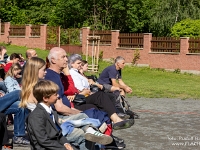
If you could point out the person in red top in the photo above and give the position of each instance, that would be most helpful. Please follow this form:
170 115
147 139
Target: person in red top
14 58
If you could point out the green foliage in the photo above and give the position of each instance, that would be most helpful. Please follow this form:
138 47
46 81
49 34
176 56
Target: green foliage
101 56
70 36
136 56
186 28
178 71
155 16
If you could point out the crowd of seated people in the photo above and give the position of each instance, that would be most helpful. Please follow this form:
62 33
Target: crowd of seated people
44 98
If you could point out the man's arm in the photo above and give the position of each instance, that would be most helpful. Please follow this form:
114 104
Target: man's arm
65 110
121 85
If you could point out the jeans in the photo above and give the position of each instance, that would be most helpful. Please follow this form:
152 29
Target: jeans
3 87
10 105
8 99
77 137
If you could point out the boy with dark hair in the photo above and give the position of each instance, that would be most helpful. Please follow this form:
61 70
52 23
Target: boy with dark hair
43 127
14 58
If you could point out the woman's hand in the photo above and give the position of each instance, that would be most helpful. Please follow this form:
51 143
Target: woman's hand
91 81
71 98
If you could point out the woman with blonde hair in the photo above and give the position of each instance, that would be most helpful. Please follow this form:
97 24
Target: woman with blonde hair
34 70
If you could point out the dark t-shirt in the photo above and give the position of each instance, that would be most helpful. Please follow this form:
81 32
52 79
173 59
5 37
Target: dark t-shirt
55 77
109 73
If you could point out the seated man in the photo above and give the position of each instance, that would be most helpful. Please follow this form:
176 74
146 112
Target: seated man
58 61
111 77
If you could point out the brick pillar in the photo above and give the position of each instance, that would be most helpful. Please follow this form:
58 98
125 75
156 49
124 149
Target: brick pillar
85 33
184 45
114 39
28 31
43 35
144 54
147 42
0 28
6 29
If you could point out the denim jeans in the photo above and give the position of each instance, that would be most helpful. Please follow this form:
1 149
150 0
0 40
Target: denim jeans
8 99
77 137
10 105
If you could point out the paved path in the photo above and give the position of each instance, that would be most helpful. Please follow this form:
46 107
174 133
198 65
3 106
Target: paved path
164 124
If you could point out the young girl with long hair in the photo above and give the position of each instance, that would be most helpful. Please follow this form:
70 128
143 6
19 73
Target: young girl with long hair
10 78
33 71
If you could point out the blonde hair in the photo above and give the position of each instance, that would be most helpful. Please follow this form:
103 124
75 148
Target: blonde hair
13 68
44 88
30 78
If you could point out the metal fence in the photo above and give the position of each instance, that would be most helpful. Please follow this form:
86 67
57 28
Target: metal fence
130 40
105 36
17 30
194 45
165 44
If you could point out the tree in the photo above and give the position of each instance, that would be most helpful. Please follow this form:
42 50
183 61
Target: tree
186 28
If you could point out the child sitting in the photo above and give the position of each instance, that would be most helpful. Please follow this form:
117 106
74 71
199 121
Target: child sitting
43 127
10 78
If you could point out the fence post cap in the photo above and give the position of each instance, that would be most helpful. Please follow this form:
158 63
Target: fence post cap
147 33
85 27
115 30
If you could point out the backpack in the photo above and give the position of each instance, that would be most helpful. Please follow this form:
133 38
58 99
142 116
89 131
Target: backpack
123 106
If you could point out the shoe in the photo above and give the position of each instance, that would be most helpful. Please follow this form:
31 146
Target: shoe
20 141
115 145
98 137
116 139
133 115
123 124
123 116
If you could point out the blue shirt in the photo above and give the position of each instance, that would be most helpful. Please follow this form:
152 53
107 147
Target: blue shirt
109 73
55 77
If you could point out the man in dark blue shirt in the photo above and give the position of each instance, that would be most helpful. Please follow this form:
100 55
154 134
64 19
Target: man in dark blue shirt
111 77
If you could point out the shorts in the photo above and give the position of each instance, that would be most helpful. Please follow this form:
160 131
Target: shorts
107 88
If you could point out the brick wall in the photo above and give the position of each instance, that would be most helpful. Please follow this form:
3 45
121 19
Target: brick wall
183 60
27 40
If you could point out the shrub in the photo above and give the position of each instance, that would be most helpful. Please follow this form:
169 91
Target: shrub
186 28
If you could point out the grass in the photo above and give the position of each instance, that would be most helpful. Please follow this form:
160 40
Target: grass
146 82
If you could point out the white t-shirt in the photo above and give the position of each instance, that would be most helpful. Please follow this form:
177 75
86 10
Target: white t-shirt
80 81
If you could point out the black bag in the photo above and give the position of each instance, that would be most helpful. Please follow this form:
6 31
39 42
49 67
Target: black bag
123 106
79 99
94 88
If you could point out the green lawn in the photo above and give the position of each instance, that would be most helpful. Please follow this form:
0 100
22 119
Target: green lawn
146 82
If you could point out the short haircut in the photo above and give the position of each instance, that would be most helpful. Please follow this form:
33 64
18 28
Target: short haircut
118 58
14 56
28 53
44 88
73 58
2 47
53 53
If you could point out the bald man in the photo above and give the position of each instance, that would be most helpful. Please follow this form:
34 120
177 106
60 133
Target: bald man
30 53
